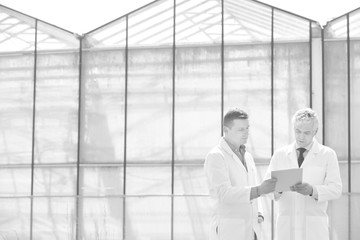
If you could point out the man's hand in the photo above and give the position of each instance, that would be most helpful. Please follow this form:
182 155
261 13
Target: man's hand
267 186
302 188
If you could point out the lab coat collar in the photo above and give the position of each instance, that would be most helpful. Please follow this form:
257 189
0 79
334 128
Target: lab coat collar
223 144
291 151
315 148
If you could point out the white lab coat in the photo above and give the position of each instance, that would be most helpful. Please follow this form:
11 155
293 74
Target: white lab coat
235 216
303 217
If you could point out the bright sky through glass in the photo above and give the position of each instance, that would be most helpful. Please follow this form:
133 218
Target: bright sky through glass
81 16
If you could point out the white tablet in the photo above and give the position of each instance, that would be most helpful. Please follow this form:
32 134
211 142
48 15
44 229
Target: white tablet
287 178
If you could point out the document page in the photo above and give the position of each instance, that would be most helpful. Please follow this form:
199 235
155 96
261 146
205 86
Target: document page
287 178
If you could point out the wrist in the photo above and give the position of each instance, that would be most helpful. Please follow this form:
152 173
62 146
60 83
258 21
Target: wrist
258 191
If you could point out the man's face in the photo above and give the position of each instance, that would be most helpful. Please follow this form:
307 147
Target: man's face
238 133
304 133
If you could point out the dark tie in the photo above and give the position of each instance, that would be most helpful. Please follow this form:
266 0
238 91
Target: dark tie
301 155
242 151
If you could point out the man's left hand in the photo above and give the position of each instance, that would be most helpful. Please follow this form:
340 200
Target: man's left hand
302 188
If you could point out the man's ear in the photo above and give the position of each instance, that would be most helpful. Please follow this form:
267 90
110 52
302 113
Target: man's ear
225 129
315 131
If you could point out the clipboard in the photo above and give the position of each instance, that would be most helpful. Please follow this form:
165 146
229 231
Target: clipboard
287 178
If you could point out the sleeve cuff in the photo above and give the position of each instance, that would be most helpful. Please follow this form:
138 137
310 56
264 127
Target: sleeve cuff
315 194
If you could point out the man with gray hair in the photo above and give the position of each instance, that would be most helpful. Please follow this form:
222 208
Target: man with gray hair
302 210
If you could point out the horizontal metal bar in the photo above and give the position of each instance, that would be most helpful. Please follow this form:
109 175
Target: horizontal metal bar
106 196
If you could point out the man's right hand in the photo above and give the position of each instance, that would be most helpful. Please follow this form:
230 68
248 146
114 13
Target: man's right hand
267 186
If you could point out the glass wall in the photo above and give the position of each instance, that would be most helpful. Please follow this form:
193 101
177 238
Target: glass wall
39 72
341 115
104 135
16 118
341 94
169 71
102 141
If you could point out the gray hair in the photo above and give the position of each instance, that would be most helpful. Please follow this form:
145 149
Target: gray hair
306 115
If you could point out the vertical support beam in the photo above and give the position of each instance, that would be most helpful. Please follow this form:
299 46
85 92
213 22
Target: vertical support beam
33 135
78 199
323 85
349 100
272 111
349 120
125 123
222 68
173 121
310 64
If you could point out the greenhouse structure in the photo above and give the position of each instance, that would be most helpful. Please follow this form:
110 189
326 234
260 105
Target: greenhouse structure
104 134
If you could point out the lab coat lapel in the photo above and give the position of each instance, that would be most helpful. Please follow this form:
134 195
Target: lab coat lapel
311 154
235 158
250 169
292 156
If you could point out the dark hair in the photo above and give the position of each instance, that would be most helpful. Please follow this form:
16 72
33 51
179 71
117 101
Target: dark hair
233 114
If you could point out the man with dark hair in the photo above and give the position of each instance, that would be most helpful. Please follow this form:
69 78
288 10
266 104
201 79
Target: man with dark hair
232 178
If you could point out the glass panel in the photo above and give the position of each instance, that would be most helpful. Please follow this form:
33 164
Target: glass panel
355 99
336 114
288 27
54 218
55 181
51 38
101 180
246 21
190 180
192 217
354 213
336 29
354 24
56 108
148 216
101 218
152 25
149 105
103 95
344 173
291 73
111 35
355 177
198 102
198 21
291 87
15 181
16 102
15 218
17 31
148 180
248 86
338 211
344 217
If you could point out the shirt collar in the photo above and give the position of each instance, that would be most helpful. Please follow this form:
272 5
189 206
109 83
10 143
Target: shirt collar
233 147
308 147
